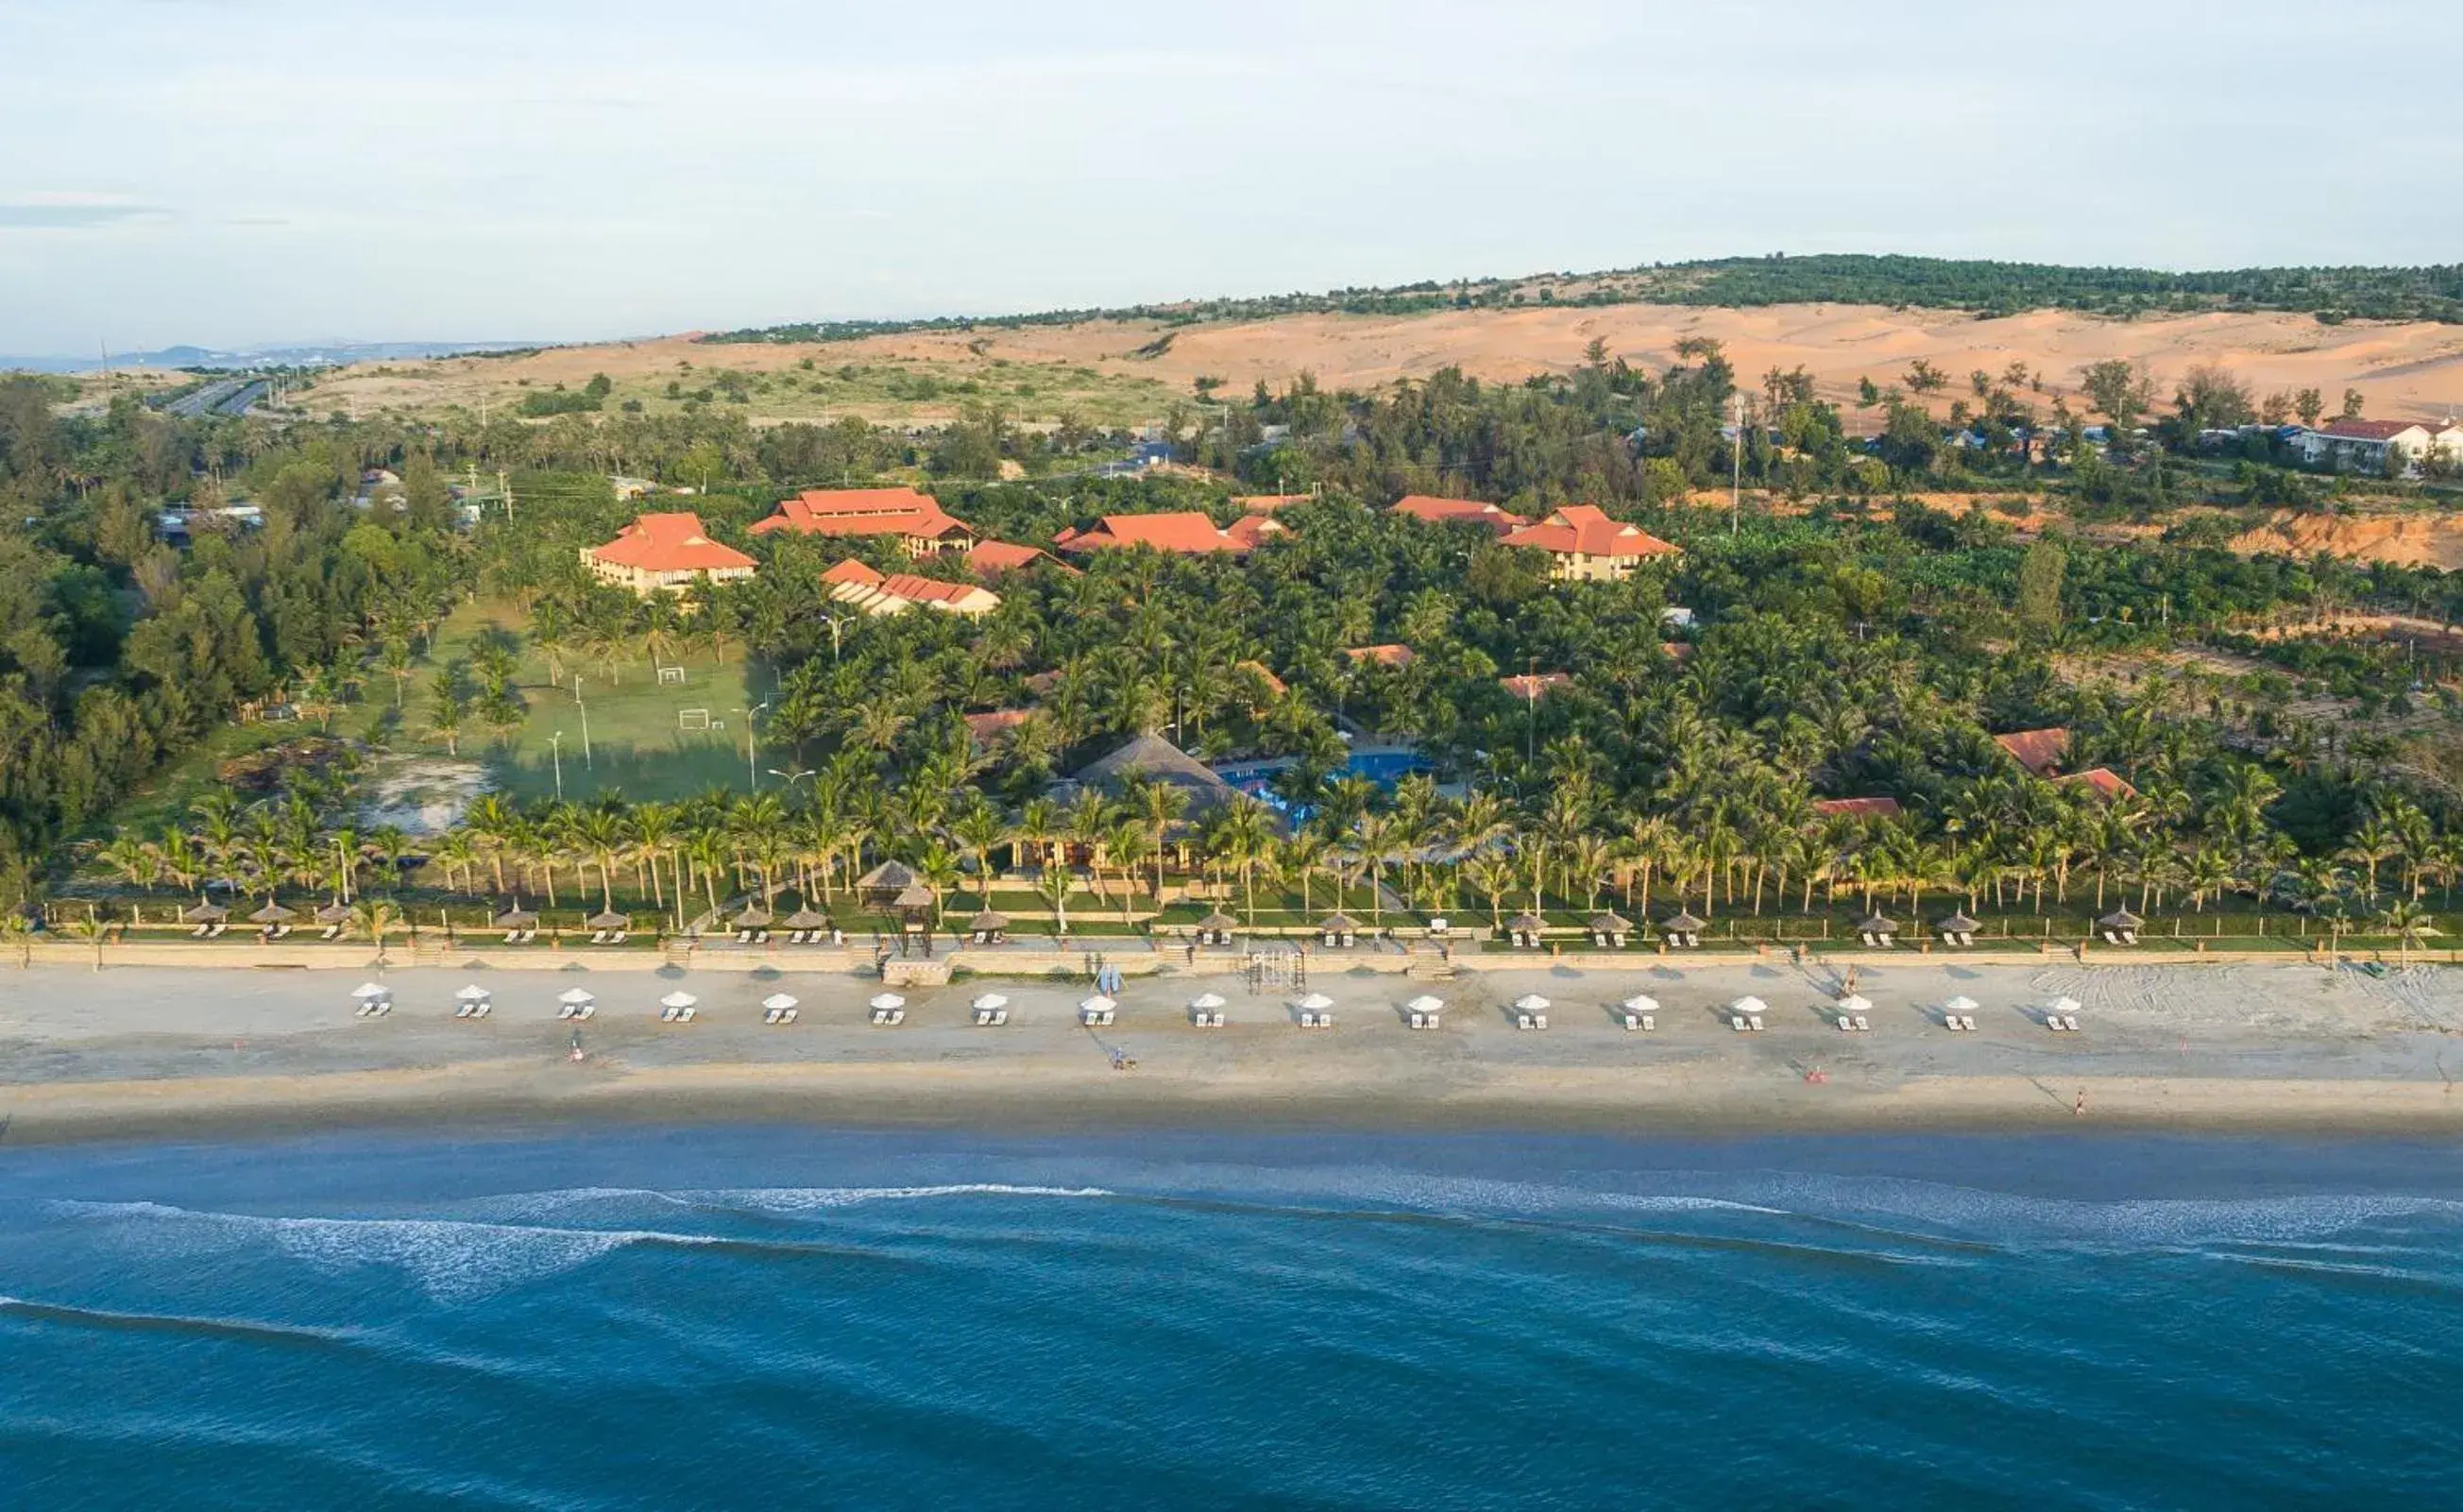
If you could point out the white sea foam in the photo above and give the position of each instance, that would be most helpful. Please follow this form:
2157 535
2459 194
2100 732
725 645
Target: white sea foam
808 1199
449 1259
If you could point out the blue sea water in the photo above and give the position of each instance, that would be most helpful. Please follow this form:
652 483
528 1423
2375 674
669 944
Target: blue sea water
795 1318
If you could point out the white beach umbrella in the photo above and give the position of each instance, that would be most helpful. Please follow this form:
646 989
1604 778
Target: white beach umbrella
678 999
1206 1002
1531 1002
992 1000
1099 1003
888 1000
1962 1005
1423 1003
1640 1002
2065 1005
778 1002
1855 1002
370 992
1750 1006
1316 1002
575 997
472 994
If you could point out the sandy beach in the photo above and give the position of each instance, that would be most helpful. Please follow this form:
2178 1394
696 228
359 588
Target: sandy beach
152 1051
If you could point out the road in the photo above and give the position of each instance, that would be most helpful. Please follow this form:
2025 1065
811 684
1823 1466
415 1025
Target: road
230 396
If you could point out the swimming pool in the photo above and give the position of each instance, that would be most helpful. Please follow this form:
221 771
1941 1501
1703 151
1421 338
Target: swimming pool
1385 768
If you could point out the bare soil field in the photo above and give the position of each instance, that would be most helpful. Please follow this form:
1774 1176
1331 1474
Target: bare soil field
1115 369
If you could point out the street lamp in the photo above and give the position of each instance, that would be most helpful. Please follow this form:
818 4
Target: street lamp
752 745
556 754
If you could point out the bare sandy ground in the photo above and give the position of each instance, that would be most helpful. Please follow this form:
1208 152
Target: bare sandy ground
2403 368
2229 1046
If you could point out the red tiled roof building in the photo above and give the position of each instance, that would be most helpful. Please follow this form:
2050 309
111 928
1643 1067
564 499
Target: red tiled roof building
658 552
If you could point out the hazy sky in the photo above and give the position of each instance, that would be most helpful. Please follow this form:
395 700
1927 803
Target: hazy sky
235 172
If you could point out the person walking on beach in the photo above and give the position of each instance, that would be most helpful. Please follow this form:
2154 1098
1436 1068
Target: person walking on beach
2078 1109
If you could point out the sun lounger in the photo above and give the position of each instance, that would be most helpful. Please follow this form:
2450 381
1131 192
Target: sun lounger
889 1018
1531 1020
1316 1020
331 932
1864 1025
1635 1021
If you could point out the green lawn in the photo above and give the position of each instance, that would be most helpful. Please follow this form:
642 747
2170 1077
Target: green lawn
635 743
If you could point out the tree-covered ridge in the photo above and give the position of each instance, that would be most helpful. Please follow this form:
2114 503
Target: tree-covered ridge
1987 287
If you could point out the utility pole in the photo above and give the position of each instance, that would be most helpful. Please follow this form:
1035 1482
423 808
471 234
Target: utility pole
1531 696
505 491
1737 468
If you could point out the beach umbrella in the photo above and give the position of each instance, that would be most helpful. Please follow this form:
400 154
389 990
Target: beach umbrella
988 1002
1750 1006
1531 1002
575 997
2065 1005
1640 1002
472 994
1855 1002
1206 1002
1423 1003
1099 1003
1962 1005
678 999
777 1002
888 1000
370 992
1316 1002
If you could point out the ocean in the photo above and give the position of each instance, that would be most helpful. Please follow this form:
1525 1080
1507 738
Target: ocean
628 1317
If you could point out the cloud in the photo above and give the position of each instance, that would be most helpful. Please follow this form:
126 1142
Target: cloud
72 212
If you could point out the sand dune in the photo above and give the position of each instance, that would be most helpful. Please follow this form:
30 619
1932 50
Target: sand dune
2413 369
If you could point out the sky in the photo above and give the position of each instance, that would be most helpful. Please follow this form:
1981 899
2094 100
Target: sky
236 172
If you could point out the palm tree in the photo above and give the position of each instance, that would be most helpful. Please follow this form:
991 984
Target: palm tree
1302 857
376 918
1492 877
2407 921
2372 844
1246 836
1158 805
1373 839
601 834
981 830
93 931
134 860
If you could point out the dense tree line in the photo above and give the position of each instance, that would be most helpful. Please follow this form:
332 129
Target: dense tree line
2433 293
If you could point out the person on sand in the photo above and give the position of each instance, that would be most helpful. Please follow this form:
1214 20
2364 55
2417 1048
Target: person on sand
2078 1109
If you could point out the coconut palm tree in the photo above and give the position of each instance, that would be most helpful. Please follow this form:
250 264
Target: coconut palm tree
2406 921
981 830
376 918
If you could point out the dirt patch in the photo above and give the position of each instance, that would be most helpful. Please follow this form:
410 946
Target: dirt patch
259 772
2404 540
2402 368
421 795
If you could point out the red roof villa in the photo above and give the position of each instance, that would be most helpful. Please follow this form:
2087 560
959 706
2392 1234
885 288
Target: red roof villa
661 551
915 518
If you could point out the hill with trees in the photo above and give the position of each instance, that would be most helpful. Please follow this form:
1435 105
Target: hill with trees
1987 287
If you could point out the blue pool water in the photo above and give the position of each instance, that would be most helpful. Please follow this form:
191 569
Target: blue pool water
1385 768
649 1318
